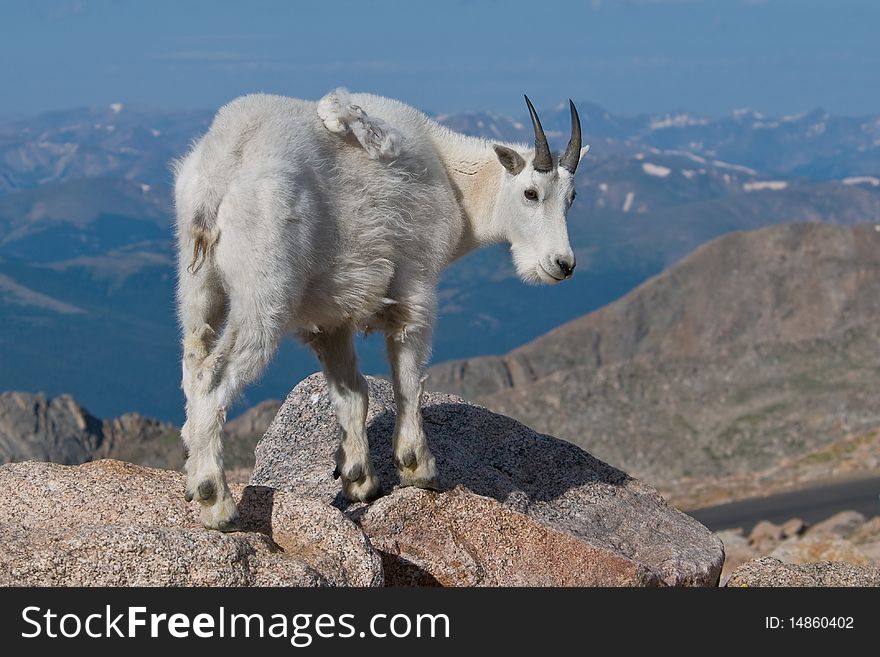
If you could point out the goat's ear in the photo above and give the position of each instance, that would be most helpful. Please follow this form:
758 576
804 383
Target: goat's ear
509 158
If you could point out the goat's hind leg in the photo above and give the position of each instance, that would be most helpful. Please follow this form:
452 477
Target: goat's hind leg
243 349
202 305
206 480
349 395
408 351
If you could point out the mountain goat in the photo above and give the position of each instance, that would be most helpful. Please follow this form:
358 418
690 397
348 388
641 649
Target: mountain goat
325 219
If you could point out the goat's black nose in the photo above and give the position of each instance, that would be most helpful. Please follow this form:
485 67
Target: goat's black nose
566 267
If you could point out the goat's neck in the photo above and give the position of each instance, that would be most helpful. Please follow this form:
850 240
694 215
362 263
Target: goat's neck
476 175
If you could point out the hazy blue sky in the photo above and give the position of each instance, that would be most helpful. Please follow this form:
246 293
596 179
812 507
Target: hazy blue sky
778 56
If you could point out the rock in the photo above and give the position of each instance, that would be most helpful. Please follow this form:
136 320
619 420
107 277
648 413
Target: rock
109 523
768 571
765 535
462 539
503 481
867 538
35 428
736 551
841 524
871 550
793 527
816 548
869 532
142 440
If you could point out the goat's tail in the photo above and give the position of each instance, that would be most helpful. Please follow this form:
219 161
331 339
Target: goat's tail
197 200
341 116
204 234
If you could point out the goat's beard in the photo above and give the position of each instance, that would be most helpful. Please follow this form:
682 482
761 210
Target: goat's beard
526 265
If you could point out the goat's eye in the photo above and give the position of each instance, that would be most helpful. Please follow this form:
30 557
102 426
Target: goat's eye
573 197
531 194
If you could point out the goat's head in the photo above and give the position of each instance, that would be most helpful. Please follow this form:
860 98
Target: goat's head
534 200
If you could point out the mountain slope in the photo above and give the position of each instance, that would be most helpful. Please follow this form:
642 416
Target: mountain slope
759 345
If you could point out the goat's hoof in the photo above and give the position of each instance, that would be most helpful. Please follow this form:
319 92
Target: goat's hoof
407 460
364 489
226 526
207 490
222 515
354 472
421 474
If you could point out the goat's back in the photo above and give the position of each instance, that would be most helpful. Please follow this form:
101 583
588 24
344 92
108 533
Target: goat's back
271 176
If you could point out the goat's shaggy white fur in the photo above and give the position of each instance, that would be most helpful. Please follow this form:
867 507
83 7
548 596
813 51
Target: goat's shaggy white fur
324 219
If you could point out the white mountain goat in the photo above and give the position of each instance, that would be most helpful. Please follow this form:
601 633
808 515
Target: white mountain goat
325 219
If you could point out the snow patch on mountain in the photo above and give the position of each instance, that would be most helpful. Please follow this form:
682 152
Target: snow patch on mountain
656 170
862 180
676 121
762 185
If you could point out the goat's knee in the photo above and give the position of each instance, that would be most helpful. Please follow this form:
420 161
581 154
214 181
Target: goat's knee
198 362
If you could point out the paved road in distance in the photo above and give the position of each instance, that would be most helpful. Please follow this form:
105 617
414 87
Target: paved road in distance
809 504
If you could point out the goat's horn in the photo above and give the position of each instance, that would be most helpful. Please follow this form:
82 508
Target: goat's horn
572 154
543 159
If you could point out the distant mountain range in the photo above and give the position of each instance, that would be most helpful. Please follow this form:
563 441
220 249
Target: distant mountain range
36 428
86 276
761 348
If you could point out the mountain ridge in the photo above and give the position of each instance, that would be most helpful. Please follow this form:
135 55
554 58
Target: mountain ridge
688 376
34 427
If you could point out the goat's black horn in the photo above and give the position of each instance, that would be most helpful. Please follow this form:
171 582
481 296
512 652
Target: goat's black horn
543 159
572 154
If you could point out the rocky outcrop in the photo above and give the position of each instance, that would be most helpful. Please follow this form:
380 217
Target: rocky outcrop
768 571
840 524
109 523
33 427
519 507
36 428
816 548
846 537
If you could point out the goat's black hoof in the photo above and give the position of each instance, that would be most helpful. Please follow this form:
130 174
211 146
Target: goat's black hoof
206 490
408 460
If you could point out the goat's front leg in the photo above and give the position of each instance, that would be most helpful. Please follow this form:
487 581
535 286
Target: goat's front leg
408 351
350 397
